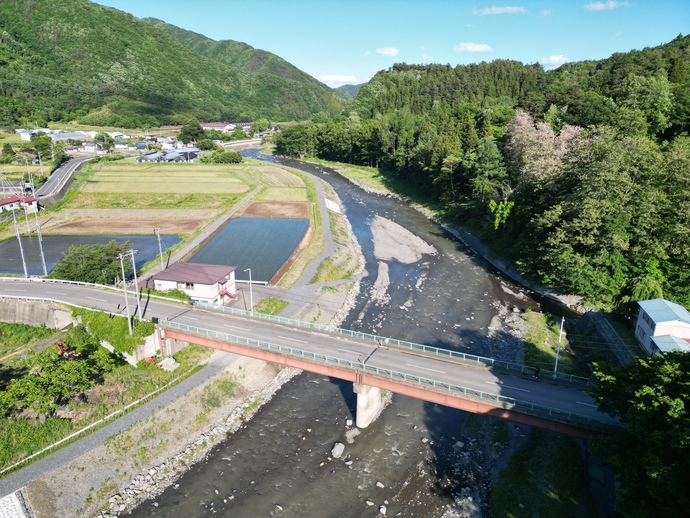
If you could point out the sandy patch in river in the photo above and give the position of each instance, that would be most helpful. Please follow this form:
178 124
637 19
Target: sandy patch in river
391 241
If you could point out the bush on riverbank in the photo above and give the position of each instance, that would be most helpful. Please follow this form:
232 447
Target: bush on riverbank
48 396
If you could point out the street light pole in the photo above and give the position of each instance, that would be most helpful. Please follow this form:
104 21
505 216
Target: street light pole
558 351
124 288
251 297
157 231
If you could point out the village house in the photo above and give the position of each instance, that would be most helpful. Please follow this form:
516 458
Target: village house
209 283
662 326
19 201
220 126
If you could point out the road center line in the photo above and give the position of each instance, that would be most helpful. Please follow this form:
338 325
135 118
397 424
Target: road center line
10 289
235 327
99 300
55 293
349 351
190 318
293 339
424 368
506 386
587 404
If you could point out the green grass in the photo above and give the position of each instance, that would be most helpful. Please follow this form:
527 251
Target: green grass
541 342
14 337
271 306
114 329
545 479
282 194
330 270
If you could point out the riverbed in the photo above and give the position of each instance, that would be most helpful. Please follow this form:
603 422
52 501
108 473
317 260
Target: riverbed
417 459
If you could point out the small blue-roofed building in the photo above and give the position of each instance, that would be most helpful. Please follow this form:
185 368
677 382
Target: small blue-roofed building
663 326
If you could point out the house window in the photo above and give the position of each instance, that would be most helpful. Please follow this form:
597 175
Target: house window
189 286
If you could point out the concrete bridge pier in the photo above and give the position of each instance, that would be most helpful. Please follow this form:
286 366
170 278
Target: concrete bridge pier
370 402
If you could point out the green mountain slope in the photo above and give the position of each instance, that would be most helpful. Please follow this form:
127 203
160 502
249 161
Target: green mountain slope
71 59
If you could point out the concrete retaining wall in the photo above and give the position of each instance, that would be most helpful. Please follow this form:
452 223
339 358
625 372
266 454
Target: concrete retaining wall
34 313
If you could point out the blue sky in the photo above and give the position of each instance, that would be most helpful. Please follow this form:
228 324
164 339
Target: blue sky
348 41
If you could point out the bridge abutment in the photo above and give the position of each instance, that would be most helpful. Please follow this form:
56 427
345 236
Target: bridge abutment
370 402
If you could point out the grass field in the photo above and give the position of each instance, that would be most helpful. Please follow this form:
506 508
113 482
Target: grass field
119 177
282 194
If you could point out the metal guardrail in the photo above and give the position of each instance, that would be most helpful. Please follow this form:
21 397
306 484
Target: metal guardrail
88 285
400 377
492 362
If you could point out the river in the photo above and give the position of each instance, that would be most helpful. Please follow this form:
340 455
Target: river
407 460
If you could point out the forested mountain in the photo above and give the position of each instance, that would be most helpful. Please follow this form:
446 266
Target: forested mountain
350 91
239 55
62 60
581 174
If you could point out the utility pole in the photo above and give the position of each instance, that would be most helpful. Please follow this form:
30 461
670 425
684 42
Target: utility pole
19 239
558 351
251 297
136 282
157 231
124 288
40 244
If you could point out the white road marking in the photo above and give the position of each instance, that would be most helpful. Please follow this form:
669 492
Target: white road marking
424 368
506 386
348 351
99 300
190 318
10 289
55 293
293 339
587 404
236 327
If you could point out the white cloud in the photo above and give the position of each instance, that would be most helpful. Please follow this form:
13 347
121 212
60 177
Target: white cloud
499 10
367 54
605 6
387 51
338 79
545 13
554 61
424 56
472 47
619 34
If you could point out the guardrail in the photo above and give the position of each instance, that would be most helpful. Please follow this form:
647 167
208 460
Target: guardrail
491 362
400 377
87 285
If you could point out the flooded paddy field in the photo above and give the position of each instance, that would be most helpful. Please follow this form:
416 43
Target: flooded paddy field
54 247
262 244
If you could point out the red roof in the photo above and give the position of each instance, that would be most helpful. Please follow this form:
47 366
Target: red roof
195 273
22 198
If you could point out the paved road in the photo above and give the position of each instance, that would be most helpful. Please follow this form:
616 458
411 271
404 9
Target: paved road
563 398
57 180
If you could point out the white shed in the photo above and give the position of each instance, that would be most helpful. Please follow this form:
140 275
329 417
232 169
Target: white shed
662 326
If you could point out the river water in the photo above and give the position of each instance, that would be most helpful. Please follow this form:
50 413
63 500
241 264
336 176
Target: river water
278 465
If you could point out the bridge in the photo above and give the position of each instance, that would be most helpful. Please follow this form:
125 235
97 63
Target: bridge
372 363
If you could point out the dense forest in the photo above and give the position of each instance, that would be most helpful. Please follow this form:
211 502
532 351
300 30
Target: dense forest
580 175
63 60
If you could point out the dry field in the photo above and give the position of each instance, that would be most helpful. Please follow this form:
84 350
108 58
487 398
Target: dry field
277 210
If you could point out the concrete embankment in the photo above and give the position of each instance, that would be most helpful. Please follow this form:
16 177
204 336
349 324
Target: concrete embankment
34 313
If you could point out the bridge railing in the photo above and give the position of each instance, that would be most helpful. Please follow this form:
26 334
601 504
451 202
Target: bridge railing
491 362
401 377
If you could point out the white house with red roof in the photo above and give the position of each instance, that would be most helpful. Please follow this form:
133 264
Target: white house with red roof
19 201
203 282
